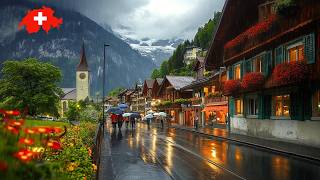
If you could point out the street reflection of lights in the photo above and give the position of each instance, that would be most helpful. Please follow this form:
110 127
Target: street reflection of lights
170 139
214 152
130 142
154 131
138 138
169 158
154 147
238 155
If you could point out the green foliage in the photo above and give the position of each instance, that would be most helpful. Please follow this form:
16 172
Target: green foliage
83 111
204 35
182 101
286 7
175 65
30 85
73 112
115 92
89 113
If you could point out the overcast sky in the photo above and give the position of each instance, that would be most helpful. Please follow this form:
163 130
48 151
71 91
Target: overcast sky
158 19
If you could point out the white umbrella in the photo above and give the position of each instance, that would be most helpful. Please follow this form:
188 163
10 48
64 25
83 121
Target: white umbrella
150 112
126 114
148 116
156 114
162 114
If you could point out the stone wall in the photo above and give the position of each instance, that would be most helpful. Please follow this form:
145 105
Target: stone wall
300 132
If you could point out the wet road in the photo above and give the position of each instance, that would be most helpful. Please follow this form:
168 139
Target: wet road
184 155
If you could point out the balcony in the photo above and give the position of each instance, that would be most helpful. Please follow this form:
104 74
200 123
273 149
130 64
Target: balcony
196 100
216 100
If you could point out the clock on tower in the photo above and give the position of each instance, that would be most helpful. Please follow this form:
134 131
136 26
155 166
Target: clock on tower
82 77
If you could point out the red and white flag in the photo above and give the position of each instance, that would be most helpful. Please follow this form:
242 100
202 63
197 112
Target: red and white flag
37 18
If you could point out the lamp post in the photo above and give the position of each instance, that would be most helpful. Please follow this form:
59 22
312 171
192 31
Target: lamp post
103 83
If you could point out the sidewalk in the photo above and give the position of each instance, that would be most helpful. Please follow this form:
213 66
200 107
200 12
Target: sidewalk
302 151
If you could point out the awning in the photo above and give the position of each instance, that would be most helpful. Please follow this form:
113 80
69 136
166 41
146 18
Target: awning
215 108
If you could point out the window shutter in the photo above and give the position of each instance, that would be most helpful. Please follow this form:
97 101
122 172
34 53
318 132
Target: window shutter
309 51
267 107
231 107
248 66
261 108
266 63
230 72
279 55
242 65
296 106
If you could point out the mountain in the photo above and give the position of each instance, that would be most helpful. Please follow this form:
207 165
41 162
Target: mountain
157 50
61 47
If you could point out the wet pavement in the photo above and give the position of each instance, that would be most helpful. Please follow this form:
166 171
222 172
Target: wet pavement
155 153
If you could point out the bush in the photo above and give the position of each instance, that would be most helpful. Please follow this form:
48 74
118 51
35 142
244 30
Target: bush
90 113
182 101
252 81
286 7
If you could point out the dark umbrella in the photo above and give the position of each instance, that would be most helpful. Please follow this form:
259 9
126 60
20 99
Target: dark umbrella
115 110
123 106
135 115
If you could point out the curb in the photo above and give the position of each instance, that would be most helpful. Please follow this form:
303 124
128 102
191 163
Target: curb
310 158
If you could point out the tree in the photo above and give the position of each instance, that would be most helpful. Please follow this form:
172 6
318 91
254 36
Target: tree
115 92
155 74
30 86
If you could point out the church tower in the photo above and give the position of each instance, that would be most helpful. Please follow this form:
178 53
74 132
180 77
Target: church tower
82 77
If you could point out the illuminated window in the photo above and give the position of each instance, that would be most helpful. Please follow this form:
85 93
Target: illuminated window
296 52
238 106
257 64
282 105
237 72
252 106
213 89
316 104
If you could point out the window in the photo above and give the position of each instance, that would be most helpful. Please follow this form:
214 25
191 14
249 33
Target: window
238 106
266 10
295 52
316 104
257 64
282 105
253 106
237 72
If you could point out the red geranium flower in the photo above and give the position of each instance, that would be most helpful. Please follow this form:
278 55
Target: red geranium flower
24 155
290 73
54 145
252 81
231 87
12 129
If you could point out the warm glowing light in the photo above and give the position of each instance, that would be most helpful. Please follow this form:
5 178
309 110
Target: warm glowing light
214 152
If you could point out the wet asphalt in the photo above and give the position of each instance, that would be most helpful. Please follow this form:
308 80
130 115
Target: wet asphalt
167 153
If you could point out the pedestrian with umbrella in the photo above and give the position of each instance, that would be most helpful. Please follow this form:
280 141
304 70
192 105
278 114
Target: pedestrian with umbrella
126 117
132 121
114 120
149 117
120 121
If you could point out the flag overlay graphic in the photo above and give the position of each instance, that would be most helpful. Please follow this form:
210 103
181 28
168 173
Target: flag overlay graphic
37 18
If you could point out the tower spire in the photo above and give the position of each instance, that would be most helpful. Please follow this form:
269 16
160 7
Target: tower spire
83 65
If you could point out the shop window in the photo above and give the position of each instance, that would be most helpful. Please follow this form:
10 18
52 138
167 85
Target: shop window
237 72
281 105
316 104
252 106
295 52
238 106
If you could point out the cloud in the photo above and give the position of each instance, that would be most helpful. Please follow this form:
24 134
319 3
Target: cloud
156 19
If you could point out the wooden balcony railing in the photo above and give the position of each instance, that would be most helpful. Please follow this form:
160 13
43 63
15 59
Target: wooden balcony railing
209 100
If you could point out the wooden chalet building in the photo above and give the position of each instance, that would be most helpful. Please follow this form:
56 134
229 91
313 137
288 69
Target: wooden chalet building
170 91
273 68
154 93
147 93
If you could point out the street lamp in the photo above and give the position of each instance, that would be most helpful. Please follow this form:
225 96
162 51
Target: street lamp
104 79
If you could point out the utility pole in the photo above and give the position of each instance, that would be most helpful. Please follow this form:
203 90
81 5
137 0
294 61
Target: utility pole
103 83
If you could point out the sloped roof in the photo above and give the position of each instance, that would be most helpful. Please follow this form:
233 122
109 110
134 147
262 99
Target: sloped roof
159 80
69 94
83 65
179 82
149 83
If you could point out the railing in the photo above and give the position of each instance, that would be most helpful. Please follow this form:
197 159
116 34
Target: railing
97 146
196 100
208 100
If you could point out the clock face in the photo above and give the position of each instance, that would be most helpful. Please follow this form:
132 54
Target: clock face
82 75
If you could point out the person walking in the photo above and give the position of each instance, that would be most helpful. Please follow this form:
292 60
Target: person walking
114 120
127 122
196 121
161 121
120 121
132 121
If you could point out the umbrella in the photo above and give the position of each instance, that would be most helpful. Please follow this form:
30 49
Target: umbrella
148 116
126 114
150 112
162 114
114 110
135 115
123 106
156 114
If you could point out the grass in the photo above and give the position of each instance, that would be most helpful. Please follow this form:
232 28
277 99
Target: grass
30 123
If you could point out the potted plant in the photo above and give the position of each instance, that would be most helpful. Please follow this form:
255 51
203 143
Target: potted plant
231 87
290 73
252 81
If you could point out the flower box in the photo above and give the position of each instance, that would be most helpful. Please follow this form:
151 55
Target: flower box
290 73
252 81
231 87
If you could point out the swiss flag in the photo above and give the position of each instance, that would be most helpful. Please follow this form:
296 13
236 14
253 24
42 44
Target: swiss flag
37 18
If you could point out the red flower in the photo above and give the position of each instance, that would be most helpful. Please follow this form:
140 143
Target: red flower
231 87
3 166
26 141
252 81
12 129
16 123
54 145
56 130
29 131
290 73
43 130
24 155
12 112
